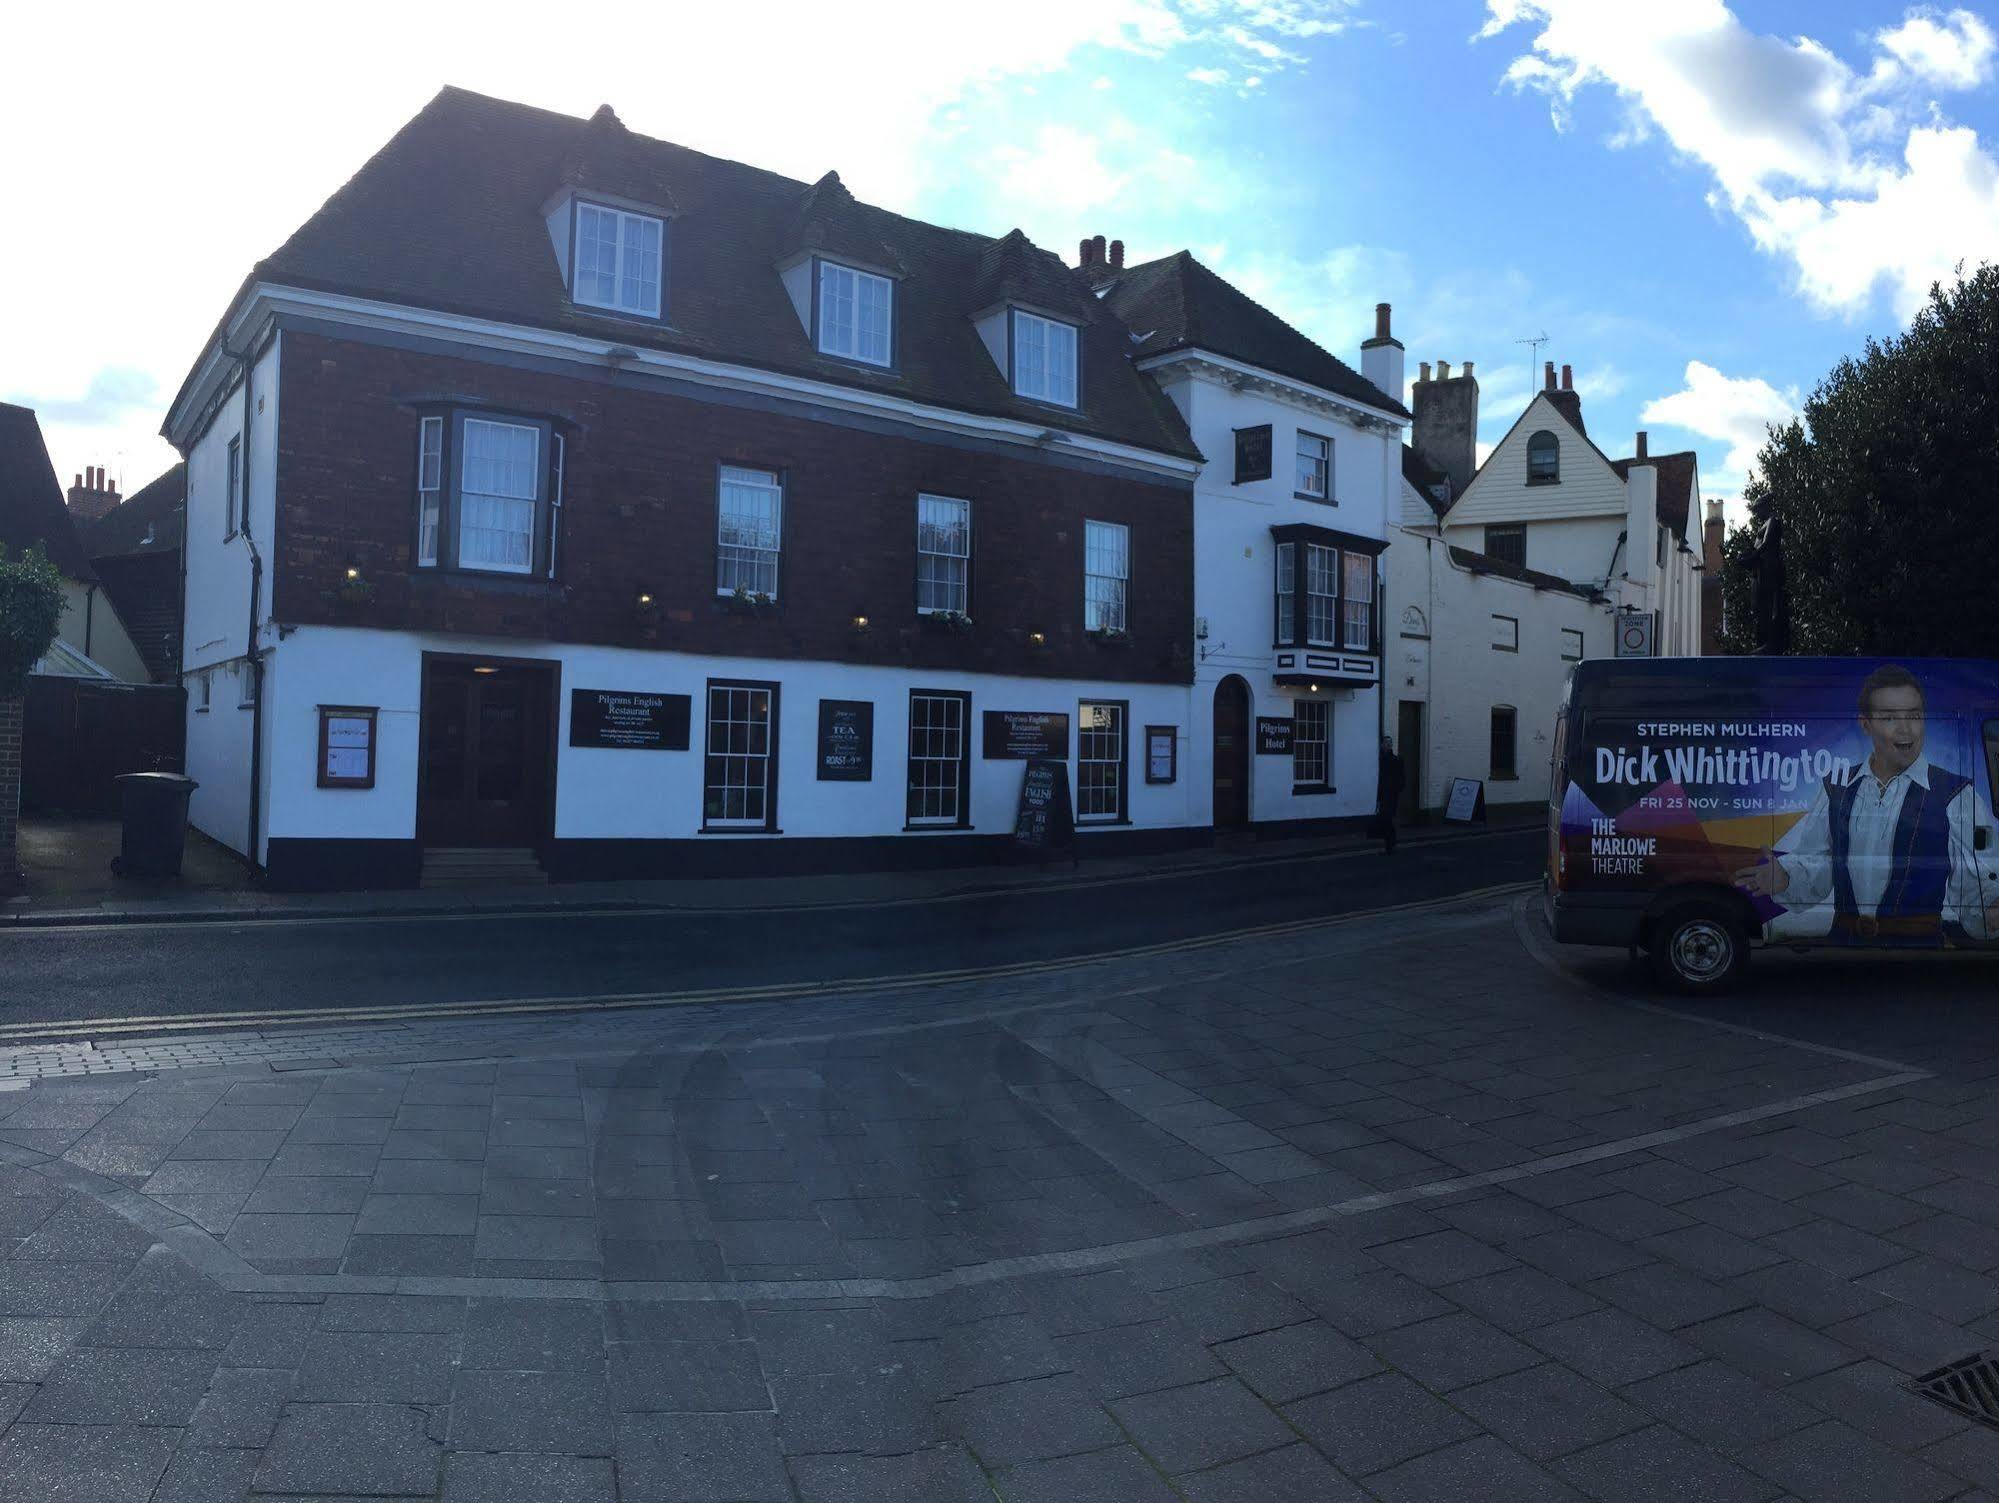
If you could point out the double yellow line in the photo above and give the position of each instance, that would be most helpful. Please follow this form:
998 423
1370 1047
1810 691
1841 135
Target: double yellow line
171 1024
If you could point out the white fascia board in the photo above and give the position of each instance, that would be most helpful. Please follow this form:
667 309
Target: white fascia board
266 300
1316 397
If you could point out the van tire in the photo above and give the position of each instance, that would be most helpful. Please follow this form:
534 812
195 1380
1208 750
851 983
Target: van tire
1699 949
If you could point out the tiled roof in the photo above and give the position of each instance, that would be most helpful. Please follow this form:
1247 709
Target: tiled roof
1426 478
1485 563
153 509
449 216
1177 303
31 499
1677 474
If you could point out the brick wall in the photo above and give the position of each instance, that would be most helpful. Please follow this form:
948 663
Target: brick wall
640 513
10 792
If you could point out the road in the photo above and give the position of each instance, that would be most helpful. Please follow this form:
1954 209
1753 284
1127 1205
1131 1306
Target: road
173 970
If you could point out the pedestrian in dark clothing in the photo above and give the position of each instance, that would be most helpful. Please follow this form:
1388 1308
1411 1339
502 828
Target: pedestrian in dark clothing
1387 794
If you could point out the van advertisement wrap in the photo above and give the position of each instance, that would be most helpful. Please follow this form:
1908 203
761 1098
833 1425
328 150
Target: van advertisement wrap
1847 812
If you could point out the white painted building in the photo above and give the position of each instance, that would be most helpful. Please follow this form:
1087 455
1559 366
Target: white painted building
1504 574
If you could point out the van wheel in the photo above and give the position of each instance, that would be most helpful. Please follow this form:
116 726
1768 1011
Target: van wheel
1699 949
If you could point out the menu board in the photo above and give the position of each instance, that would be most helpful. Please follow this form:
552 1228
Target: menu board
1019 735
346 746
628 721
846 740
1162 753
1045 820
1273 735
1467 801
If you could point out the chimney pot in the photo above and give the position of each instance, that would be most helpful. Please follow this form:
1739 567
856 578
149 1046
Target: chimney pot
1642 436
1443 370
1097 249
1083 252
79 480
1465 370
1568 383
1117 255
1549 376
1424 367
1381 321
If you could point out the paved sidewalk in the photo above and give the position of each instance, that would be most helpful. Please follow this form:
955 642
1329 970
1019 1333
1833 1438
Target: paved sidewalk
1376 1210
210 898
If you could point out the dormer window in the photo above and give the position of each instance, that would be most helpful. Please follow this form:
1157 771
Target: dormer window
618 260
1044 359
855 313
1544 459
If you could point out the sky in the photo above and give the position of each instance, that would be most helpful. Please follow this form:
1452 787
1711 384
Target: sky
1702 205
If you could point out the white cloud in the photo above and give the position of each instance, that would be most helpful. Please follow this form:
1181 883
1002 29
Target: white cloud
1848 175
1735 411
1213 77
154 198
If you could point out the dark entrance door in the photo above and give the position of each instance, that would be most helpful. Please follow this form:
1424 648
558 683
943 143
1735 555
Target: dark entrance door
1231 754
1409 742
484 779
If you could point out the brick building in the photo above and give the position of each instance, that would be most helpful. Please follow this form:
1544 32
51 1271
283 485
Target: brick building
561 498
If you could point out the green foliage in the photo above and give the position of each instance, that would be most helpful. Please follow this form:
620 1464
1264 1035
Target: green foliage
1738 606
1887 490
31 606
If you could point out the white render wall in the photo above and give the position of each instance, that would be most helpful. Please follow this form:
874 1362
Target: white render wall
603 793
1578 548
1500 492
217 622
218 755
1459 677
1235 581
93 627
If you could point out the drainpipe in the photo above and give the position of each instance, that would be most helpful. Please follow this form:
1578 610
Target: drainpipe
250 646
89 618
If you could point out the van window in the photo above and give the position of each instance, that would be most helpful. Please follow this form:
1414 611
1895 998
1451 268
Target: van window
1992 758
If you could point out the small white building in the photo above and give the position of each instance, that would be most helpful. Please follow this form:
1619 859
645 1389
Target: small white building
1504 574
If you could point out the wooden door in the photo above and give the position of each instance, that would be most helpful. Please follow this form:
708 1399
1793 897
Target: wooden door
484 779
1409 742
1231 760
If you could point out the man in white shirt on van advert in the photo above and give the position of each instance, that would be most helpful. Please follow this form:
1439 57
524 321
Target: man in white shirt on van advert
1892 846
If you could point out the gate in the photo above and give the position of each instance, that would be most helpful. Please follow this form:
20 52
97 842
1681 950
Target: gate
78 734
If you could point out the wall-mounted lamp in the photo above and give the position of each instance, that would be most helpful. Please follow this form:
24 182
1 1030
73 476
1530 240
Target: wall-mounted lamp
1315 688
1037 639
860 623
485 668
645 597
352 572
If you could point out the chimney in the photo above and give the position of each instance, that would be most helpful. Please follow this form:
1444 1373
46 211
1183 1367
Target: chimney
1568 384
1642 436
1083 253
1381 357
1424 368
1443 429
91 497
1096 250
1117 255
1549 379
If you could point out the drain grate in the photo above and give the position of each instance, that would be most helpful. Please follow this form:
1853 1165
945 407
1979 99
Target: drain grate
1969 1385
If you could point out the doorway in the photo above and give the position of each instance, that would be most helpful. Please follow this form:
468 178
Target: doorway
1409 742
487 758
1231 754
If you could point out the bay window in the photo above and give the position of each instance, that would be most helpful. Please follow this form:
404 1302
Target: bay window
488 490
1325 593
1357 602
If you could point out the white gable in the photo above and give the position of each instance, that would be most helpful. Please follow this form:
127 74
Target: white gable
1587 487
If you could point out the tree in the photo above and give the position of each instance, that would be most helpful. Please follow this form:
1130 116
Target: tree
1738 605
31 606
1890 535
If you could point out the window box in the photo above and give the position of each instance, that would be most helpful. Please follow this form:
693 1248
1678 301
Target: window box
951 623
352 593
1111 636
746 602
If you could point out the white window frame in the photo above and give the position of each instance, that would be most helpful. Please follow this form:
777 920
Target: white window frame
1322 607
1356 606
941 769
1303 713
1047 379
744 759
466 493
1323 460
840 283
761 559
1106 576
625 249
1093 738
202 708
246 684
1572 636
429 490
941 563
230 508
1287 605
558 459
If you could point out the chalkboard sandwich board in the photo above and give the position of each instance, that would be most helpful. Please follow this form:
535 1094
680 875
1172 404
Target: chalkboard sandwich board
628 720
1045 821
1467 801
846 740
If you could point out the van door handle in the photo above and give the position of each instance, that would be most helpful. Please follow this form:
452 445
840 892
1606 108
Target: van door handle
1981 838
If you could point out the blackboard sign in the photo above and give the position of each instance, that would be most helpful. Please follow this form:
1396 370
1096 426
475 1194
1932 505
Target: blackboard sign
846 740
1467 801
1025 734
1045 821
1273 735
628 721
1252 453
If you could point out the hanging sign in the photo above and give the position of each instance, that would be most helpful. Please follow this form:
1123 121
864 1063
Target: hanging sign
1273 735
846 740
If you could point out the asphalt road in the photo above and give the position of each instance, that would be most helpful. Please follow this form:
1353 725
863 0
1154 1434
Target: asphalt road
173 970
